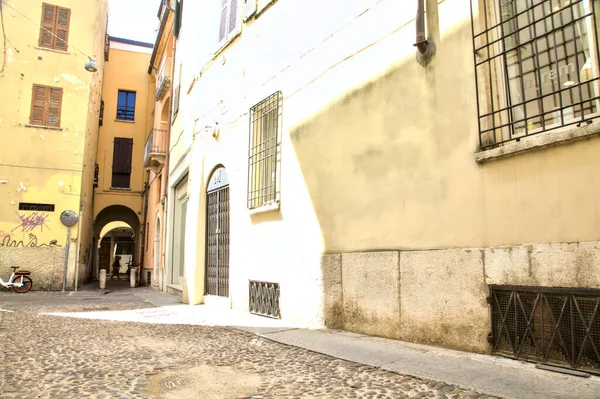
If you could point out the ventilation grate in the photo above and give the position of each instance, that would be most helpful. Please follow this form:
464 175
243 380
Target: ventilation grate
264 299
550 325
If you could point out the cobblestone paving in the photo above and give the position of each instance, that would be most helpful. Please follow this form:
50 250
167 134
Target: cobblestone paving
43 356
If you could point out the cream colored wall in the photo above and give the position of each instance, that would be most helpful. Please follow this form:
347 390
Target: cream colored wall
377 154
125 70
49 166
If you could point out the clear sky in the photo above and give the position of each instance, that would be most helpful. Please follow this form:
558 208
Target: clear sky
133 19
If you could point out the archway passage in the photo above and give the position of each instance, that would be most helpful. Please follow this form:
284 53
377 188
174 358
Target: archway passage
116 240
116 233
217 234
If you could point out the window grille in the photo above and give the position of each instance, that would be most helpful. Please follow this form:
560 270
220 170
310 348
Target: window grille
536 65
544 324
264 299
262 159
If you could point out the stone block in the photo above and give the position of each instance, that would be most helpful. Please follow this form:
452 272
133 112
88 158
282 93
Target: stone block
547 265
331 269
46 265
371 292
443 299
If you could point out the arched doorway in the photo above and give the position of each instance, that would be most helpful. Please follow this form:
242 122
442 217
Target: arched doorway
217 234
112 214
116 239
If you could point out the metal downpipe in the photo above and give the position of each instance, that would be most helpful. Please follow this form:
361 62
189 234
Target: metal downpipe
425 47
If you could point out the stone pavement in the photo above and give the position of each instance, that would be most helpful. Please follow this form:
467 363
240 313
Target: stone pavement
93 344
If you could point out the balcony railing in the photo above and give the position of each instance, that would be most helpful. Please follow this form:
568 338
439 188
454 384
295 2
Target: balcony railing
163 79
155 150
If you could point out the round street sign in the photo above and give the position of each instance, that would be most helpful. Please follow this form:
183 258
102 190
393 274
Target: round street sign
69 218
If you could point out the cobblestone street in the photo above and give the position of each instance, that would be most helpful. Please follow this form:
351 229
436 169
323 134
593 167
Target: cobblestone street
47 356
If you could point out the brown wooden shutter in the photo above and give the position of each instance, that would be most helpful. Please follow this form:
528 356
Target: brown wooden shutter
62 29
54 106
123 148
38 105
178 17
48 26
233 7
223 25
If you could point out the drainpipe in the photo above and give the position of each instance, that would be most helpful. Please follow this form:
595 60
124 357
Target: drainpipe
425 47
145 194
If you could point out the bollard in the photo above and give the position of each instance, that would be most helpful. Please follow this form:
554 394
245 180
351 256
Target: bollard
102 279
132 278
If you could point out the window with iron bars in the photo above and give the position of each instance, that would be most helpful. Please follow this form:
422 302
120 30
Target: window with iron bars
536 64
262 157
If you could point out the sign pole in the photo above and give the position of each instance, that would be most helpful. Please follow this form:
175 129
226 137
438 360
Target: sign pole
66 258
68 218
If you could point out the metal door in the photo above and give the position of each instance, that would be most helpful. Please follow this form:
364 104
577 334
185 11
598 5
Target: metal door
217 235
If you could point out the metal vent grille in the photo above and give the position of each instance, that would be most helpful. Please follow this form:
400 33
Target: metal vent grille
551 325
264 299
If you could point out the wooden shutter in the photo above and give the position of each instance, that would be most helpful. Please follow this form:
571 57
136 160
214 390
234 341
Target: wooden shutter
249 9
233 16
48 26
178 17
38 105
176 95
123 148
62 29
54 106
223 24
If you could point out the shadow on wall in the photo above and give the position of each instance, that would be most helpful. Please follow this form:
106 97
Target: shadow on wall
391 165
378 162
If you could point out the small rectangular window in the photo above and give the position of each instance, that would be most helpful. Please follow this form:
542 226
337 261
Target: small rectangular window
101 116
126 106
54 28
178 17
46 105
262 160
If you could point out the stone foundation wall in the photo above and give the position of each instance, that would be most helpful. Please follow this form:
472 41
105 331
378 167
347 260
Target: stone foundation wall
438 297
45 264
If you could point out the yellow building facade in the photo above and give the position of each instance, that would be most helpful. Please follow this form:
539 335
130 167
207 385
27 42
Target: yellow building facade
326 176
49 112
128 102
156 155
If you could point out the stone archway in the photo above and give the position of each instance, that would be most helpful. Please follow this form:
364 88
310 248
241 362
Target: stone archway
116 213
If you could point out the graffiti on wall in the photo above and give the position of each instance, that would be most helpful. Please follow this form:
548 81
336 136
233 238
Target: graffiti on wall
31 222
30 242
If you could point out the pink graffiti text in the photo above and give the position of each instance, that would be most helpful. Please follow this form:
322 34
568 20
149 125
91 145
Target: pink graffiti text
31 222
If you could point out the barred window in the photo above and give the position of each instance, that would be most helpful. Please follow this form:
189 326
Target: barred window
262 159
536 63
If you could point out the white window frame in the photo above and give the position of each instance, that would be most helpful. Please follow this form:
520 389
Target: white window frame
225 10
